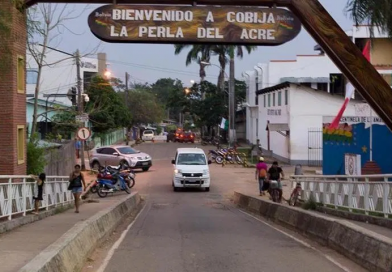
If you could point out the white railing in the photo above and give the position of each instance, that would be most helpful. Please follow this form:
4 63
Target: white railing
369 194
16 194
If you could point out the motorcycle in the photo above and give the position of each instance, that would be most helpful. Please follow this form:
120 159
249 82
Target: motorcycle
274 187
115 183
108 174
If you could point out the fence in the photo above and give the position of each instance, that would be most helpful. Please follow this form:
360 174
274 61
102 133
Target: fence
60 161
110 138
16 195
371 194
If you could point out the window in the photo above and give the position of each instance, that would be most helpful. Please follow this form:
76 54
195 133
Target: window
20 75
265 101
286 97
20 145
257 100
31 76
257 83
322 87
108 151
273 99
279 98
257 127
269 100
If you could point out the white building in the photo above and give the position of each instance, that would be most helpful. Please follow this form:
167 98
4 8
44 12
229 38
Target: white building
59 74
293 96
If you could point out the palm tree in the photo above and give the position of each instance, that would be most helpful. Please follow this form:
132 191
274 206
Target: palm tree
198 53
372 12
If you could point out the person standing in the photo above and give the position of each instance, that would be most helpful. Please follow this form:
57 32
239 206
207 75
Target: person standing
261 174
76 184
78 146
38 191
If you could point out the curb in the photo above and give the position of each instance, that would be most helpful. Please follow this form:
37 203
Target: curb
366 248
69 252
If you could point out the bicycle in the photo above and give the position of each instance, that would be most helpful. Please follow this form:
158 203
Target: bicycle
295 194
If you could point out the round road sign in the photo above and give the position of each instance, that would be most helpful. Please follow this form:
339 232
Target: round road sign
83 133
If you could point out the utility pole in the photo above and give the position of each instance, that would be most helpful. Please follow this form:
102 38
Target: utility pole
126 102
80 105
232 103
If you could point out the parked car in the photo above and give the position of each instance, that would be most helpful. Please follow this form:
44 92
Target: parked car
187 137
148 135
116 154
191 169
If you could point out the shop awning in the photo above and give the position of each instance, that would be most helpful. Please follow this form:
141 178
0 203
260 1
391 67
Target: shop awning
278 127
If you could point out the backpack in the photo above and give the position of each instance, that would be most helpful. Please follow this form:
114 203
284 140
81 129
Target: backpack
262 173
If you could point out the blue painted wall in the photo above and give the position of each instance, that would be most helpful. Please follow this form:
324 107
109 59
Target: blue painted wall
357 141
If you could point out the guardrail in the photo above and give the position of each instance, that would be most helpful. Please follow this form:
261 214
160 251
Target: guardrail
368 194
16 194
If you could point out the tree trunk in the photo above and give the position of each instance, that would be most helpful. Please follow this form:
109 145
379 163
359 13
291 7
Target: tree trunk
37 86
221 78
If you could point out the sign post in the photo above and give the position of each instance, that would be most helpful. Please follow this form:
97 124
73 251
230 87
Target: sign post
194 24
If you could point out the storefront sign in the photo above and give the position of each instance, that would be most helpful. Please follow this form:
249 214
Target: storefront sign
193 24
274 112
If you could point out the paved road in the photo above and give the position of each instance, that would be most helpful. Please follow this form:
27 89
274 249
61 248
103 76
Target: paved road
200 231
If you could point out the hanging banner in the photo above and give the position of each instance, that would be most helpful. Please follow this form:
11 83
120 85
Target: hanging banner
193 24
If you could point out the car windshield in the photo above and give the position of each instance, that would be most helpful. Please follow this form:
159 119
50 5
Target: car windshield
191 159
127 150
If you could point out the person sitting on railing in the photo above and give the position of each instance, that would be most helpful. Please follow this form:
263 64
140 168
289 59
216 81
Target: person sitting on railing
38 191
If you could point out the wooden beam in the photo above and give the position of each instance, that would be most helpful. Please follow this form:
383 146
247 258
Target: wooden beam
269 3
346 56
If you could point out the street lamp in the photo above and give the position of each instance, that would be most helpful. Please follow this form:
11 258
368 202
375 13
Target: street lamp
231 100
107 74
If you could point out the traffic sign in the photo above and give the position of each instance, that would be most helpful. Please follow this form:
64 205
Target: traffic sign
83 118
83 133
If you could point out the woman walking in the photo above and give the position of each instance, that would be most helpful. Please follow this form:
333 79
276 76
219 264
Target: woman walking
76 184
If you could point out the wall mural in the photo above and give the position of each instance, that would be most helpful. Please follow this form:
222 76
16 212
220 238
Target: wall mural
353 136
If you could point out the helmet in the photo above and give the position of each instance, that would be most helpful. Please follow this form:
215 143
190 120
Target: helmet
261 159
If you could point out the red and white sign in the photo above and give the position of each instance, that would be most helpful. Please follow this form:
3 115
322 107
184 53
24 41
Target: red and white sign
83 133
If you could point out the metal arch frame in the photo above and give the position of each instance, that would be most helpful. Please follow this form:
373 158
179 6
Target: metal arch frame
324 30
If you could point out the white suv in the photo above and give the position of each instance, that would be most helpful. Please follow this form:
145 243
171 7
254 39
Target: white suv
191 169
148 135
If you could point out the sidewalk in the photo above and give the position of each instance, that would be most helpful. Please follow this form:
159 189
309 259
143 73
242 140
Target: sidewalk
21 245
249 186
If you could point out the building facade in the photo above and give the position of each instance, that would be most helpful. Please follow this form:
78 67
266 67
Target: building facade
59 74
293 95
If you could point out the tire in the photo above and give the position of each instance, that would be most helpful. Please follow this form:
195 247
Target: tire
125 163
101 193
145 169
95 165
175 189
293 200
94 189
219 159
127 189
131 183
275 195
207 189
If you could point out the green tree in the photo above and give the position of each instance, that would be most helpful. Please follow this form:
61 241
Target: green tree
36 161
106 108
64 124
197 53
372 12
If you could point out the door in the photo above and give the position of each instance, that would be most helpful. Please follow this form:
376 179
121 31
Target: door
315 147
109 158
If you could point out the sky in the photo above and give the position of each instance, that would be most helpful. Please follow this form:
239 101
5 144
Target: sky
149 62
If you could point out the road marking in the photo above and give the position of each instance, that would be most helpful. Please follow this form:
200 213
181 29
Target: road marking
118 243
329 258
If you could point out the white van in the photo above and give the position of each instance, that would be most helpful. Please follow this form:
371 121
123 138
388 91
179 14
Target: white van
191 169
148 135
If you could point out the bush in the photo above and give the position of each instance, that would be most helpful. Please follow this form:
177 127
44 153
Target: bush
310 204
36 161
159 130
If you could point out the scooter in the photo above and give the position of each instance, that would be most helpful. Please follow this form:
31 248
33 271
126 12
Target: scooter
116 183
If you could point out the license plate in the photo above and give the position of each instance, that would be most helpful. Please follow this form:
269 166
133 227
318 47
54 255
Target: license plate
145 163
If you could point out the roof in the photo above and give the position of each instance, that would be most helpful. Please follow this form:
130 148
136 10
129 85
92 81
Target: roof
42 102
306 79
274 88
190 150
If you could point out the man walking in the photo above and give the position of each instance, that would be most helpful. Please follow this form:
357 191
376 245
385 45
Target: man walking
261 174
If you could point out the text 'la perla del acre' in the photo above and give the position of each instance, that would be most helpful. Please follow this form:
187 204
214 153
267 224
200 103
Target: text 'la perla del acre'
256 18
